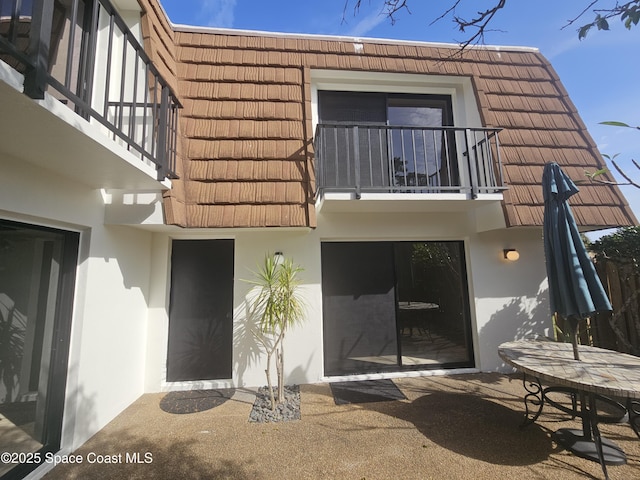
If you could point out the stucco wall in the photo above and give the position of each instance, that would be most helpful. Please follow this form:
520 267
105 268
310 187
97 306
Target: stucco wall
106 365
511 299
508 300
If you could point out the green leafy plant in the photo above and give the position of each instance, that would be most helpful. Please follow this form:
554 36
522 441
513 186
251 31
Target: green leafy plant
623 244
277 306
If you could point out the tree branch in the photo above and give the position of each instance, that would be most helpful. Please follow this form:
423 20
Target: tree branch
575 19
624 175
628 12
390 8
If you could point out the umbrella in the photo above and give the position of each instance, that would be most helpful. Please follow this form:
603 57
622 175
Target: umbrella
575 291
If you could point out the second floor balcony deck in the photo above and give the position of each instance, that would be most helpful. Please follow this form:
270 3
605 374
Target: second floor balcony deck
407 163
82 54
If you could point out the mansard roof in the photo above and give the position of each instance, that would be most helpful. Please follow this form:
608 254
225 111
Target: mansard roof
246 155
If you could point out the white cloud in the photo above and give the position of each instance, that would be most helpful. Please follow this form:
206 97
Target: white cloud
614 39
367 24
217 13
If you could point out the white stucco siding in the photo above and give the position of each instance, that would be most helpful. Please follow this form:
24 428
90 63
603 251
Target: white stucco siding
110 350
29 191
507 299
511 298
303 343
108 331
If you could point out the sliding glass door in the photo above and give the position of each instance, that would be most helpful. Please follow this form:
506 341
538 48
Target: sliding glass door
420 148
387 142
359 307
391 306
37 279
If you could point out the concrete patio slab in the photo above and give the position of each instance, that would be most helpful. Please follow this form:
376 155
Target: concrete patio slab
453 427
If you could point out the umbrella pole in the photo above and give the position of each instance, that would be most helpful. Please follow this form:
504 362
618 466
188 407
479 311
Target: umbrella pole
573 326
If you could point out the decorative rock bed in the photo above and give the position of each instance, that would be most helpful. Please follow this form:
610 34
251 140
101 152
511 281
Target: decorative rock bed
284 412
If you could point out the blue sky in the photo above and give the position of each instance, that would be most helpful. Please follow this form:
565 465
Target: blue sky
601 73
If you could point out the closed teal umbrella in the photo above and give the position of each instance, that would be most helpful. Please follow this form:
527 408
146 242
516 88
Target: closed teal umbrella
575 291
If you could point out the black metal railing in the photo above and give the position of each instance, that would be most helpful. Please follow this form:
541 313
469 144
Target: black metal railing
383 158
82 53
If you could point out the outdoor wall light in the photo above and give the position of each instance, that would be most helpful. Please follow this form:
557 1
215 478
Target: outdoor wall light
511 254
278 257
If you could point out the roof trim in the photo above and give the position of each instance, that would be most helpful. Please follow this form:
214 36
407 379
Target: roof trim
343 38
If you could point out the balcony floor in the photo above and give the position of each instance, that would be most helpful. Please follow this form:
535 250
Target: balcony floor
346 202
51 136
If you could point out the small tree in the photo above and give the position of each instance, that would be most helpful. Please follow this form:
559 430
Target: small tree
278 306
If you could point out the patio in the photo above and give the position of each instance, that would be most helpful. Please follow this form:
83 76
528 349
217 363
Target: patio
453 427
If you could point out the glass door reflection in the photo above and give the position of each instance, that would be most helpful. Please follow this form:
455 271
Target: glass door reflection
432 310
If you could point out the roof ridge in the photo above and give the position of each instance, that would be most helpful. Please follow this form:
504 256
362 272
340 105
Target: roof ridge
344 38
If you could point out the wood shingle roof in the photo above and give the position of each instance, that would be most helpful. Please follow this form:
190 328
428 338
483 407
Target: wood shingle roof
246 154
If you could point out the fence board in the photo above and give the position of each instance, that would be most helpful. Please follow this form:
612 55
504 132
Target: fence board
620 331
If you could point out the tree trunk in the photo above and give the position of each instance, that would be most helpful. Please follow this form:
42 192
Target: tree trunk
280 372
269 384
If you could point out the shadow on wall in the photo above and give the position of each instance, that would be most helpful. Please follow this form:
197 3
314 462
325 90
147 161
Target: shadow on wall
130 249
522 317
247 351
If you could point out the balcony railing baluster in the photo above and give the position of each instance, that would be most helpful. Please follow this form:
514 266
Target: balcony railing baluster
411 159
152 132
13 26
71 44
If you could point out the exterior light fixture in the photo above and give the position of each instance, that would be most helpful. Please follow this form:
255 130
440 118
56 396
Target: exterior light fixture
511 254
278 257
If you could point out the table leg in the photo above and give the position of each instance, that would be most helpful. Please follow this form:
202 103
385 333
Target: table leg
597 438
535 397
633 409
588 443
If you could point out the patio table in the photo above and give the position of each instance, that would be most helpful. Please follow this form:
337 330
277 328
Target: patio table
598 372
417 314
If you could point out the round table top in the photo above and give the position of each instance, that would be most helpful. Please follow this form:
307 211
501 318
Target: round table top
600 371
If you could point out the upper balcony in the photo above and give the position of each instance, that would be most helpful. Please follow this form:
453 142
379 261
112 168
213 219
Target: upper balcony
383 168
106 116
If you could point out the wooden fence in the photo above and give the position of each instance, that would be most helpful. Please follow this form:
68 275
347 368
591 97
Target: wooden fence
619 330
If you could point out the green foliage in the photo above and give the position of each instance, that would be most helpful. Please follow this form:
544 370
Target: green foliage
278 306
597 173
619 124
623 244
433 254
629 14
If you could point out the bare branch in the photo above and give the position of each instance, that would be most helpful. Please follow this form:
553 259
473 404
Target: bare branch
480 23
390 8
624 175
449 10
628 12
575 19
